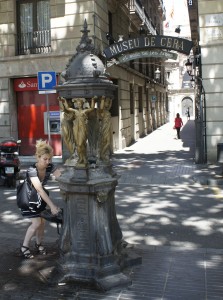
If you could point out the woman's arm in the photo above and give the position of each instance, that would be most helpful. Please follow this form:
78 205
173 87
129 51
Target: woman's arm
38 186
57 173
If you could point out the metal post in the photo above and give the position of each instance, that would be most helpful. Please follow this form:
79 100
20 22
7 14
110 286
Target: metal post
48 119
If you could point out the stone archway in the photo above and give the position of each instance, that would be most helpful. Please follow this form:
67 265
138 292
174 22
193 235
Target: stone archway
187 103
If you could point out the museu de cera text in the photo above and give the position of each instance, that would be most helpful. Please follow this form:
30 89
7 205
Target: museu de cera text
146 42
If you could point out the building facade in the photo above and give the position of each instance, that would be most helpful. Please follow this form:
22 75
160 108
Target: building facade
180 89
43 35
206 20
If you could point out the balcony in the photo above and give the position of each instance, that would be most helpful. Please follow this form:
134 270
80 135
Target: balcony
161 9
35 42
139 16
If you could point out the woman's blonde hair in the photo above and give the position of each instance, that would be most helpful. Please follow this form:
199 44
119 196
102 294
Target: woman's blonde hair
43 148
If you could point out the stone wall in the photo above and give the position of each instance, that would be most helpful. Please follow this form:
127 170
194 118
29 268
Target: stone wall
67 19
7 28
211 41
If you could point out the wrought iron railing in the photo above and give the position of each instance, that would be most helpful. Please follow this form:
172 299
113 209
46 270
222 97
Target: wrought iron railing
135 7
34 42
132 4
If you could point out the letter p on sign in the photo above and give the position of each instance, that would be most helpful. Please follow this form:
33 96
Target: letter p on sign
46 81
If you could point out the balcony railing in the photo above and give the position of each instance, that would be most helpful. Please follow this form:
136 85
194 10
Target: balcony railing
162 9
34 42
138 14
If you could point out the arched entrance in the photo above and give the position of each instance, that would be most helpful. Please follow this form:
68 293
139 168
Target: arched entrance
187 103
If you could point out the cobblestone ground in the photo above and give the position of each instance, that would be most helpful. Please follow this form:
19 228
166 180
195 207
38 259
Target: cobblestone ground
168 214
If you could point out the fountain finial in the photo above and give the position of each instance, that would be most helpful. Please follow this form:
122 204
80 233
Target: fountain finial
85 42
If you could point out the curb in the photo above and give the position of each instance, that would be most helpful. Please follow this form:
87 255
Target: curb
207 180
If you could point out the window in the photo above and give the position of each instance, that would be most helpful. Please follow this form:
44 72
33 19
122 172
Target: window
147 102
115 103
140 98
33 21
110 28
131 64
110 23
131 98
140 65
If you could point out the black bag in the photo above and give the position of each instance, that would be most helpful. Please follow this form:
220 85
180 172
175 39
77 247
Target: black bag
58 218
47 215
26 195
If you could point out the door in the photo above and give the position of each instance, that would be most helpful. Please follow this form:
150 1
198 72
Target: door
31 110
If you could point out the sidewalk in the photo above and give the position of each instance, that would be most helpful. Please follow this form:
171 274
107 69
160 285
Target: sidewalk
160 158
166 215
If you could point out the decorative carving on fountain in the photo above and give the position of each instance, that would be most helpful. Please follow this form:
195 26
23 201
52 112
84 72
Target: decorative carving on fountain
91 243
91 127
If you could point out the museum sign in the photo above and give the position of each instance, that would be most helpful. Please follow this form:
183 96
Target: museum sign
147 43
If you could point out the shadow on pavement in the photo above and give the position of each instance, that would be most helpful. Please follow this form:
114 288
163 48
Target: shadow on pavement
187 216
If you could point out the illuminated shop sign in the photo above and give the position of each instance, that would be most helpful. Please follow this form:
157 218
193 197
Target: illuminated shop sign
25 84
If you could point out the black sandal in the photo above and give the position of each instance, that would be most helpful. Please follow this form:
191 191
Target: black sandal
40 249
26 253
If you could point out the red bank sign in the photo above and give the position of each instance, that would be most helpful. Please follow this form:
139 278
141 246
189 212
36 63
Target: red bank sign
26 84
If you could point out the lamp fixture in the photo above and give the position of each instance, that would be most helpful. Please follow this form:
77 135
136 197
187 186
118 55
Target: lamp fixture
192 81
142 29
188 66
178 30
110 38
157 74
120 38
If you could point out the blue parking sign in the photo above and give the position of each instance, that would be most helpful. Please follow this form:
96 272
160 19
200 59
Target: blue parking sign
46 81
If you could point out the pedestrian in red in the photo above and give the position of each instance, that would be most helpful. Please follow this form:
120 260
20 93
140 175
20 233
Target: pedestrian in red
178 124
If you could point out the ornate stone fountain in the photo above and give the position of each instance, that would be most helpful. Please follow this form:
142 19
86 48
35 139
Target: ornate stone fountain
91 244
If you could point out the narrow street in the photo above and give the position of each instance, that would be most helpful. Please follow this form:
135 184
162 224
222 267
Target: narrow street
167 214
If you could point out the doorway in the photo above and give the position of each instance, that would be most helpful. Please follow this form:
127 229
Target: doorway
187 104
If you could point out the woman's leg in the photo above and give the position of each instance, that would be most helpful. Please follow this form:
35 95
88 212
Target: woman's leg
40 232
39 238
31 231
178 133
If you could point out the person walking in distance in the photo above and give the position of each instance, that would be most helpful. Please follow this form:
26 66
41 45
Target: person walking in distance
188 113
178 123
